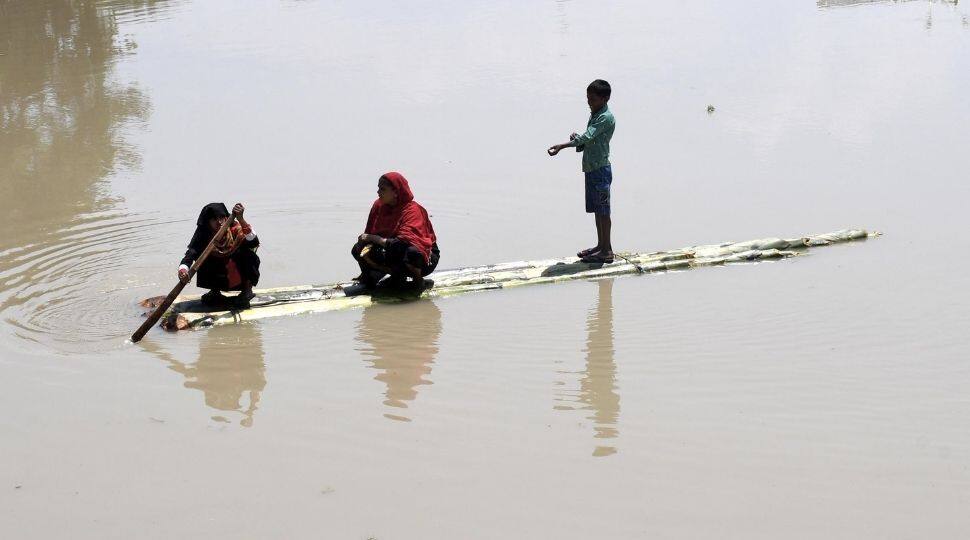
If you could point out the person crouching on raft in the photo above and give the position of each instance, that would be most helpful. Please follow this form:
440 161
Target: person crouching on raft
398 239
232 265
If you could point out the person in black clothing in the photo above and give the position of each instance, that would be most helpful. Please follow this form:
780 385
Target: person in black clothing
232 265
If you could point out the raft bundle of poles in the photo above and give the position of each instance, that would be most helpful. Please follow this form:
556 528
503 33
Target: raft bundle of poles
191 313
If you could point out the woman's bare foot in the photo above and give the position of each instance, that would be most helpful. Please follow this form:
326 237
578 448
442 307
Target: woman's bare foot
213 298
242 300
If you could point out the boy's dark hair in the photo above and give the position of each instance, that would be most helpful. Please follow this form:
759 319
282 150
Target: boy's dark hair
600 88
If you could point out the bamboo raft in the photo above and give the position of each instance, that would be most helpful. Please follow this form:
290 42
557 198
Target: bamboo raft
190 312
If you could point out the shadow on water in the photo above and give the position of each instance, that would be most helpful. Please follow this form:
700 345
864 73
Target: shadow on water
400 341
230 370
62 122
597 384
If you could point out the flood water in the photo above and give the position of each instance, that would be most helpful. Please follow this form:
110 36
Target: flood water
826 396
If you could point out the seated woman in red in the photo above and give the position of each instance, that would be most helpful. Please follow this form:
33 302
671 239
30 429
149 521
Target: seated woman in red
398 239
232 265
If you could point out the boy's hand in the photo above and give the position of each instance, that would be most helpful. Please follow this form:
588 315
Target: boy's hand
183 272
572 136
238 210
553 150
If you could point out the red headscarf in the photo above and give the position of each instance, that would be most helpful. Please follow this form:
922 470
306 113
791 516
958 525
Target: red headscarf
406 220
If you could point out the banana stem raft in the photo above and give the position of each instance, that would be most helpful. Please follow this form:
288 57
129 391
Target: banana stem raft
191 313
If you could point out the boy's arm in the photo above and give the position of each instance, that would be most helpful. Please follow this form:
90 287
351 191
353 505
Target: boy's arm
579 141
553 150
594 129
579 148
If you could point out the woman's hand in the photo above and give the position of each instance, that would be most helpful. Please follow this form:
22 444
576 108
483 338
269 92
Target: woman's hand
371 239
238 210
183 272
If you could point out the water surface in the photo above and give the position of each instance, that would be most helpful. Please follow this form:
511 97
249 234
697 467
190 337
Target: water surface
824 396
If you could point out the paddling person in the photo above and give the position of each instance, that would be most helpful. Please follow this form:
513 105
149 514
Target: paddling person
398 239
232 265
594 143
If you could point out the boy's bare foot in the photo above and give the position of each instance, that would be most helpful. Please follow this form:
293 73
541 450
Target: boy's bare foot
587 252
600 257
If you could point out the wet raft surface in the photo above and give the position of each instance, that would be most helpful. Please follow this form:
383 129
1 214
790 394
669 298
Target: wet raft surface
192 313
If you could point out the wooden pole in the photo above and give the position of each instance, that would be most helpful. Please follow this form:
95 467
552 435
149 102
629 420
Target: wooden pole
157 314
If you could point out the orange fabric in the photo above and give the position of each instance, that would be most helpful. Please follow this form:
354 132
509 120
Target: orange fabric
231 241
232 274
224 249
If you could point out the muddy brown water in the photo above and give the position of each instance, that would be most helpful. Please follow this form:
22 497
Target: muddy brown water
824 396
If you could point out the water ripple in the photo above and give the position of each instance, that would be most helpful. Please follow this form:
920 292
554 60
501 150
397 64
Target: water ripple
69 290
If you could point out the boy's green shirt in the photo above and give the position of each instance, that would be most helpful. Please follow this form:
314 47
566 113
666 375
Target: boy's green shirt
594 143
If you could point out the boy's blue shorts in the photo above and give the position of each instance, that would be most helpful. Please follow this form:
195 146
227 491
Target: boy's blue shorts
598 191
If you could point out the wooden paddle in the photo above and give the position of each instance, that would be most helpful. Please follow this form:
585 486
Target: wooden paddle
157 314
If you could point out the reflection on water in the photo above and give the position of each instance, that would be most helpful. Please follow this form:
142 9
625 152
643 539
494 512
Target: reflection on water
597 389
822 4
229 371
401 341
849 3
61 114
62 117
597 385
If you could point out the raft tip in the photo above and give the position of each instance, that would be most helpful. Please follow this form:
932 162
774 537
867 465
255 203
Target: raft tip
174 322
152 303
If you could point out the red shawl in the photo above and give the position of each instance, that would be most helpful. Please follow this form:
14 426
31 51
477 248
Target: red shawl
406 220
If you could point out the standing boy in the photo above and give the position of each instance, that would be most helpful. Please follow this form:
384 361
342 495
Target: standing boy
594 143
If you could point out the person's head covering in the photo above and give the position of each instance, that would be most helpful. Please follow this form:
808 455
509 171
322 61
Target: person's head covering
405 220
204 233
214 210
400 185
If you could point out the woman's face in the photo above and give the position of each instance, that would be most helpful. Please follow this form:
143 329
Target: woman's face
216 223
386 193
